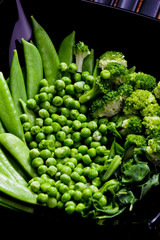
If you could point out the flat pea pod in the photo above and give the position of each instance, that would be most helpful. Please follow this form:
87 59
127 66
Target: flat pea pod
8 113
16 83
34 68
6 164
48 53
65 51
30 113
15 190
3 169
19 150
2 129
88 62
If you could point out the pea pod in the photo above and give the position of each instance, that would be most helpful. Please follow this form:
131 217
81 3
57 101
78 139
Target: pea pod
15 190
2 129
65 52
48 53
16 82
8 113
30 113
19 150
88 63
34 68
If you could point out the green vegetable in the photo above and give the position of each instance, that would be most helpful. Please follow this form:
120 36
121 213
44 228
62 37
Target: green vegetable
115 162
48 53
16 83
34 68
88 63
8 111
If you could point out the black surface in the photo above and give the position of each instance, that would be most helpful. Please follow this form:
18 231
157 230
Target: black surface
102 28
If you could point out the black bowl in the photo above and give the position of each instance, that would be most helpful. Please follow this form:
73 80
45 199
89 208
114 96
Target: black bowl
102 28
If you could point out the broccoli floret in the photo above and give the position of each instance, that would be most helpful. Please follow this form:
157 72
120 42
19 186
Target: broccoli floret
151 110
133 140
101 86
152 126
153 150
80 51
132 125
125 90
106 106
118 72
111 56
137 101
156 91
141 80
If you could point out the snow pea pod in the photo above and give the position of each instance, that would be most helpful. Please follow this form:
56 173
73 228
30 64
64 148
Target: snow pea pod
34 68
16 83
16 190
65 51
88 63
19 150
8 113
48 53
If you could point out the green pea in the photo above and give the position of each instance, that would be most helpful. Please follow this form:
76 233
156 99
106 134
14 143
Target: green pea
80 186
43 83
70 209
39 122
82 118
103 201
61 136
89 79
83 109
68 142
66 80
76 136
76 105
28 136
65 179
86 159
103 128
78 86
66 170
76 125
40 136
26 126
97 136
85 132
83 149
97 182
63 188
59 85
57 101
51 171
42 198
93 173
36 162
44 187
45 153
24 118
56 127
42 169
77 195
97 195
105 74
75 176
74 114
35 186
87 194
62 120
92 125
65 112
92 152
50 162
69 102
52 202
60 152
70 89
48 121
101 150
95 144
31 104
43 113
52 192
80 207
72 68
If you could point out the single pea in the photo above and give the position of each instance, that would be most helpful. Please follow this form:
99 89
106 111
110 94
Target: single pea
80 207
69 102
54 117
72 68
42 198
45 153
92 152
42 169
79 156
86 159
75 176
93 188
97 195
47 129
93 173
60 205
51 171
65 179
77 195
52 109
48 121
76 125
103 201
43 113
66 170
42 97
59 85
97 182
61 136
92 125
63 188
83 109
76 137
50 162
62 120
103 128
77 77
36 162
63 67
34 153
33 144
86 88
52 202
84 75
78 86
52 192
82 118
103 120
56 127
89 79
60 152
104 140
101 150
31 103
58 144
83 149
78 170
40 136
80 186
105 74
35 129
69 123
44 187
70 89
66 80
35 186
97 136
57 101
68 142
26 126
28 136
39 122
43 83
24 118
95 144
85 132
65 111
70 209
88 141
86 194
73 114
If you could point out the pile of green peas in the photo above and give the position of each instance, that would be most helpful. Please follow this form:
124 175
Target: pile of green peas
67 147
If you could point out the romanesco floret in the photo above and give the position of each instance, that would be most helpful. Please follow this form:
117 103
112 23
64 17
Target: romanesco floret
111 56
152 126
137 101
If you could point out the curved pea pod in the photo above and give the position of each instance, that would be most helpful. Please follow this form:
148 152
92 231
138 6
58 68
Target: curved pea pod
16 83
65 51
34 68
8 113
19 150
30 113
15 190
88 63
48 53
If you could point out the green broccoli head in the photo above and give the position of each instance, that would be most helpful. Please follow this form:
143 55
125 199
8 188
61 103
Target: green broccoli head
152 151
137 101
111 56
132 125
80 51
141 80
156 91
106 106
151 110
125 90
118 72
152 126
133 140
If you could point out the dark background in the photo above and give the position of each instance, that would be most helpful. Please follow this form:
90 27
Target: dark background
102 28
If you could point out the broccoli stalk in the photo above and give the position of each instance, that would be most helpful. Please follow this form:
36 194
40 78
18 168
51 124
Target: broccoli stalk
80 51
